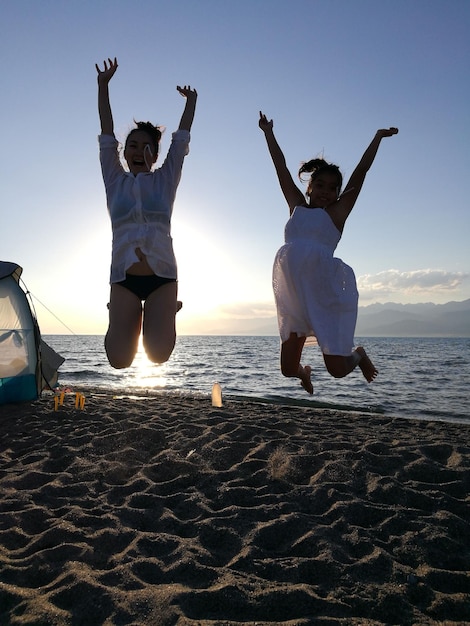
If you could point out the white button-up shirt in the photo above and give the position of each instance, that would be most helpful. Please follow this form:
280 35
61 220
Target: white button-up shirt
141 206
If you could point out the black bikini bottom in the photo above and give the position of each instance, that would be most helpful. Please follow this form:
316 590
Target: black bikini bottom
143 286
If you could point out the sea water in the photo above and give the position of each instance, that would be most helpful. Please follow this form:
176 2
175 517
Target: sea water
426 378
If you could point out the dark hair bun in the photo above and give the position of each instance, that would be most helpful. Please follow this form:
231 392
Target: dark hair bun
152 130
313 166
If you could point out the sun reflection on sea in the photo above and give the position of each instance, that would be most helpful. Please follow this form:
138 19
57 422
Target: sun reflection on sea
146 374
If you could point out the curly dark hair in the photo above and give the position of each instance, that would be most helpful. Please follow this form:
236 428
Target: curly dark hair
152 131
316 166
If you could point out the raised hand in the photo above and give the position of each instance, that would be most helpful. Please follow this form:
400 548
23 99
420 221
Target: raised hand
187 92
264 124
189 108
104 107
105 75
387 132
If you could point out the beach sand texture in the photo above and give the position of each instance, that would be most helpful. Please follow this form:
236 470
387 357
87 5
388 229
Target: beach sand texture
162 510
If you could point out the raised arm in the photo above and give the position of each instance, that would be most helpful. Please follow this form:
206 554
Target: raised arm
340 210
104 107
292 193
190 107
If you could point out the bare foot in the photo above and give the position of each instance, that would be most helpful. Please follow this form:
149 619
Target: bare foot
366 365
305 375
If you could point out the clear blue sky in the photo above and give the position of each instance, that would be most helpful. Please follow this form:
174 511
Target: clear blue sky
329 72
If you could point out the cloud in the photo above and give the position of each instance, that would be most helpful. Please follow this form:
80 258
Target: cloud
409 286
412 283
395 285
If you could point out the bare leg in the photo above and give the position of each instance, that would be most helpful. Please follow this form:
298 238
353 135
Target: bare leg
159 332
291 353
340 366
125 320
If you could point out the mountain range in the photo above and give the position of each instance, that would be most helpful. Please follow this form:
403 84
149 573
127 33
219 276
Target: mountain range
414 320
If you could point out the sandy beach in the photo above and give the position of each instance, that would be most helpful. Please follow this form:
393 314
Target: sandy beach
163 510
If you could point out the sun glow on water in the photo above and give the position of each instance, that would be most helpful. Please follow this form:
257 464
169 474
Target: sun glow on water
144 373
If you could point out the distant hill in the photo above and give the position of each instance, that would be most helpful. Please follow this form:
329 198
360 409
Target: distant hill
379 320
414 320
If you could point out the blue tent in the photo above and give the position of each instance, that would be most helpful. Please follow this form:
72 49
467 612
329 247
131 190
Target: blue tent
27 364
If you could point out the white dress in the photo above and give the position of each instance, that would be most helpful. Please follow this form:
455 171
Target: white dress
316 293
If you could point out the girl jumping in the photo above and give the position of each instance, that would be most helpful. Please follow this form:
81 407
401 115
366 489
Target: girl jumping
315 292
140 204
